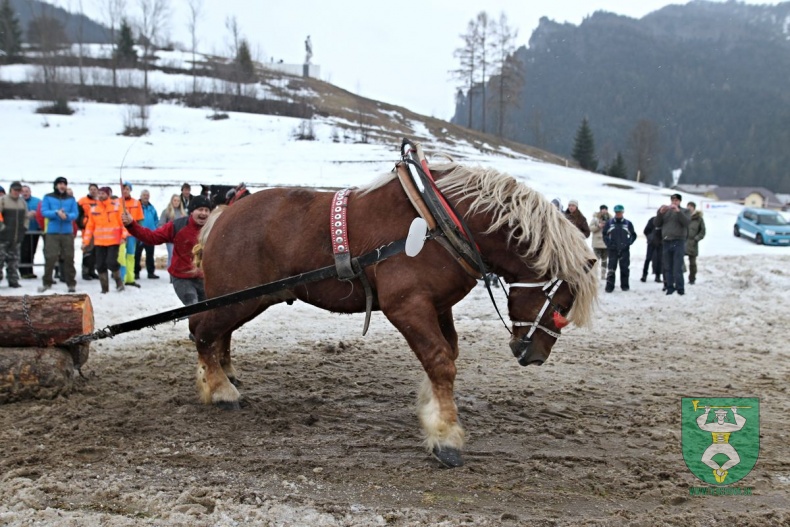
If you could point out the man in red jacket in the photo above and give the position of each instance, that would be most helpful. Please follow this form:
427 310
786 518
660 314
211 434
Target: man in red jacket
183 234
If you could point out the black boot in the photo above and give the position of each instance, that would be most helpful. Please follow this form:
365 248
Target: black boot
644 278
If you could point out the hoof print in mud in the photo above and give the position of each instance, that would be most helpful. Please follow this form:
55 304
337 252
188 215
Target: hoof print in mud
228 405
448 457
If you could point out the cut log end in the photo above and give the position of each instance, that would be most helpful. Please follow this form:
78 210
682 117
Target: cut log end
35 373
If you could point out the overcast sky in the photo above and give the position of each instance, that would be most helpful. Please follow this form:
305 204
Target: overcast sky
397 52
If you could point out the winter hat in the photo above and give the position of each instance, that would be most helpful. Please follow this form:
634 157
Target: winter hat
677 197
198 202
2 189
61 179
573 202
557 203
603 207
127 184
16 185
106 190
619 208
688 204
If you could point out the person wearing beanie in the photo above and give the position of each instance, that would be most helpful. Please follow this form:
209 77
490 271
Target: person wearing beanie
576 217
86 203
597 223
128 249
674 223
183 233
618 235
60 211
13 225
104 231
696 233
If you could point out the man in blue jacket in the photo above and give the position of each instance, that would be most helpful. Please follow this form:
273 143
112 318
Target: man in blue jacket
618 235
30 243
60 211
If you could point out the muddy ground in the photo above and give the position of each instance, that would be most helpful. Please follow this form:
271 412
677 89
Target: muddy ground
327 434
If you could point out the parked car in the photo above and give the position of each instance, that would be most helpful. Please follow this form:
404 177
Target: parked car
763 226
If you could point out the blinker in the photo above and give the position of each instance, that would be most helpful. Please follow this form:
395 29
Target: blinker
559 320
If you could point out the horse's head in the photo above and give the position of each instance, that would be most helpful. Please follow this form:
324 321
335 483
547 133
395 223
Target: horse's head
538 311
527 241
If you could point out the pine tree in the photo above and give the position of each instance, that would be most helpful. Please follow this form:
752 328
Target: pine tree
244 62
125 52
584 147
618 168
10 33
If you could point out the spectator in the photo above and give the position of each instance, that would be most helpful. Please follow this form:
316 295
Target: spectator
695 234
2 191
30 243
618 235
135 209
87 203
183 234
557 202
597 223
60 211
105 232
653 255
576 217
150 221
674 223
13 225
173 211
186 196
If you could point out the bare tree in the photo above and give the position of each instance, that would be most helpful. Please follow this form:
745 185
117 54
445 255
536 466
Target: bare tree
468 69
484 42
644 148
508 78
113 13
48 34
154 15
195 14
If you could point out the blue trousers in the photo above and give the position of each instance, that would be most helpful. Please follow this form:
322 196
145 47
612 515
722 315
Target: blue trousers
674 251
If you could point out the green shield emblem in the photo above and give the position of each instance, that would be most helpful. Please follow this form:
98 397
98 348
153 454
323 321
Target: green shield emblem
721 437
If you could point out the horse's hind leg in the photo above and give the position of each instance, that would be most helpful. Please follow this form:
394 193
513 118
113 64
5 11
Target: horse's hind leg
434 342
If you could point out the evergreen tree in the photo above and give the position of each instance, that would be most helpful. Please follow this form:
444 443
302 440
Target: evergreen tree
244 63
584 147
10 32
125 52
618 168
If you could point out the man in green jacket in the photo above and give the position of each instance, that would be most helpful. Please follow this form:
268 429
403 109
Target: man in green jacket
673 221
696 233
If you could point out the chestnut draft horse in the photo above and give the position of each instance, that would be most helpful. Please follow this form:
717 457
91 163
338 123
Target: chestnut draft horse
283 232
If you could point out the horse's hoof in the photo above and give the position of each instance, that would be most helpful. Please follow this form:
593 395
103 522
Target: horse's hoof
228 405
449 457
235 382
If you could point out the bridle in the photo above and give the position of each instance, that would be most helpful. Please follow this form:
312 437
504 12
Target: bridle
550 288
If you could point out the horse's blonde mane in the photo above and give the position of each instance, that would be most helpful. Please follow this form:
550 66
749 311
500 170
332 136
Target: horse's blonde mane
197 250
549 244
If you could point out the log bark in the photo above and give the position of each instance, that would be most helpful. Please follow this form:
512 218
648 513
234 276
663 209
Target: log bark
34 373
43 321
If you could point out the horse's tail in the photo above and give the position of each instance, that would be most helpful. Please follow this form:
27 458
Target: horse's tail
197 250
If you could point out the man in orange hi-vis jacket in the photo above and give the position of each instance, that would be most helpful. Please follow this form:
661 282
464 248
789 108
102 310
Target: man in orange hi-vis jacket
135 210
105 229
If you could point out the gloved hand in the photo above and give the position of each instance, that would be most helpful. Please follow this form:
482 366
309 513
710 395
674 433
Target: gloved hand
2 226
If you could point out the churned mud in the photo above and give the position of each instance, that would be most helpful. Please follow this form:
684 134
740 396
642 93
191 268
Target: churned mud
327 433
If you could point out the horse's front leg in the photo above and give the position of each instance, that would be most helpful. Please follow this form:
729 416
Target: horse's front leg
435 344
213 384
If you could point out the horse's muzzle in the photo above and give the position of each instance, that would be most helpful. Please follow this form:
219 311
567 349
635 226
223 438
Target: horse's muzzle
524 351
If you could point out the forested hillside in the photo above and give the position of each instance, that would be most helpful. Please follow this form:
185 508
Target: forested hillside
709 81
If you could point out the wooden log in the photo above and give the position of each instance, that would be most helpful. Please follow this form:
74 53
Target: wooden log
44 321
34 373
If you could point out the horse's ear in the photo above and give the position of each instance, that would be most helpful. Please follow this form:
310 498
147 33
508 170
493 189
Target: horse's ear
590 264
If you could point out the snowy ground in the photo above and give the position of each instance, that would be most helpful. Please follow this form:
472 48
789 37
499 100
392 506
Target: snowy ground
328 434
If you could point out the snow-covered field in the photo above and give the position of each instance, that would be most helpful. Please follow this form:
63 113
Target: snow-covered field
644 343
